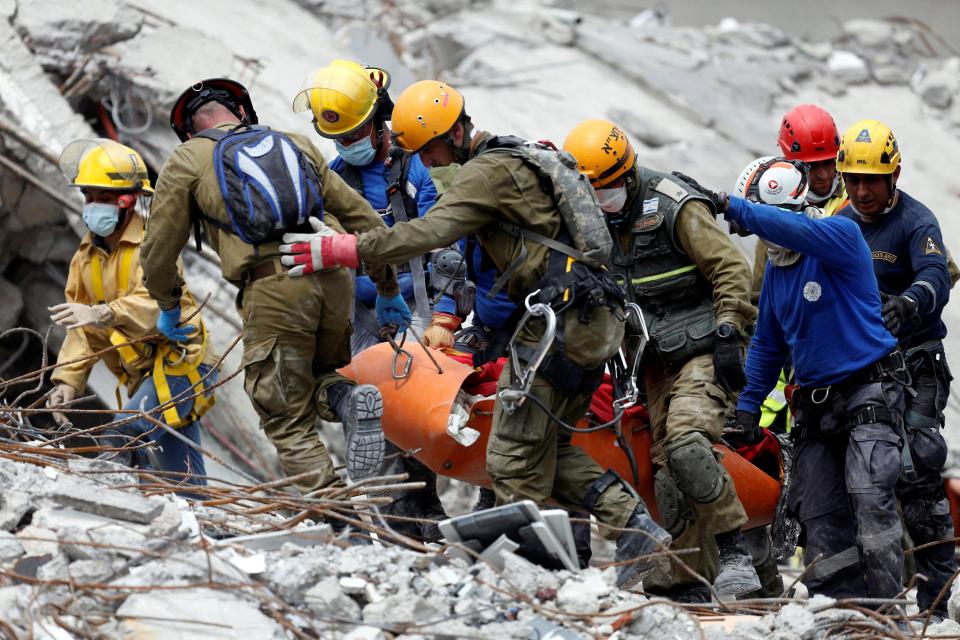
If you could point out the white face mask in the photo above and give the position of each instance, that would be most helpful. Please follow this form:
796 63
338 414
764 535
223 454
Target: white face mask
612 200
781 256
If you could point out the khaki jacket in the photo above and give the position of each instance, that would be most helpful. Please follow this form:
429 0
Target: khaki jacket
489 189
188 185
134 311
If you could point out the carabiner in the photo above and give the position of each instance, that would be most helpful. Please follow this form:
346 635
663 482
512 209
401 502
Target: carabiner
404 370
826 394
522 376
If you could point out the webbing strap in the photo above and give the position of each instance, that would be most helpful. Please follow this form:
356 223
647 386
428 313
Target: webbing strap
920 421
889 536
519 232
128 352
123 276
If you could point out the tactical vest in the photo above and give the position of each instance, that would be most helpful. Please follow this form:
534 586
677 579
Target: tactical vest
676 299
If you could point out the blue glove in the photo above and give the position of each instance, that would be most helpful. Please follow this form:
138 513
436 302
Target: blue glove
167 325
393 311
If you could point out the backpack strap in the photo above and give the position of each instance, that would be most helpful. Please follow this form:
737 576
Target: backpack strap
520 232
351 175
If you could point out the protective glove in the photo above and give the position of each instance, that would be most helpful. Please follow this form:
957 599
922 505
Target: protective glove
61 395
899 314
167 325
719 199
324 249
728 359
73 315
439 333
393 311
748 423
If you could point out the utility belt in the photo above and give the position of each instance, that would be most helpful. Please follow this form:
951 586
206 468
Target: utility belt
168 360
565 376
258 272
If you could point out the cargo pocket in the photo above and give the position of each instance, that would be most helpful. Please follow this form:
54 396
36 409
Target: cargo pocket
873 459
928 450
262 377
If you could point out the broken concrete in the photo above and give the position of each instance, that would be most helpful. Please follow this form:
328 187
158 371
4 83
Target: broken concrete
107 503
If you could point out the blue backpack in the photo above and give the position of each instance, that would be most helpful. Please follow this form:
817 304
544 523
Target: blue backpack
268 185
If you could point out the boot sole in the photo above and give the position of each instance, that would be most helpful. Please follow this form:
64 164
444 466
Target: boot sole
738 588
642 569
366 449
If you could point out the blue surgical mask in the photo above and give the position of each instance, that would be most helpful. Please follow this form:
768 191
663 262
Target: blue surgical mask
359 154
101 218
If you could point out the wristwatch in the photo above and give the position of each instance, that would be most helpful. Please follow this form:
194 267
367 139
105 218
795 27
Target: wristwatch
726 331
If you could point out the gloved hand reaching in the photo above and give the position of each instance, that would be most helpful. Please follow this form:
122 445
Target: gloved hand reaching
748 423
73 315
62 394
323 249
728 359
719 199
899 314
393 311
439 333
167 325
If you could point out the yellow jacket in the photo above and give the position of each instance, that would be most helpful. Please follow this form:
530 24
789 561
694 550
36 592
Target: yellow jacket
134 312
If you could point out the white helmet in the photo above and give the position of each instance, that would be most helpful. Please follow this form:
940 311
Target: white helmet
776 181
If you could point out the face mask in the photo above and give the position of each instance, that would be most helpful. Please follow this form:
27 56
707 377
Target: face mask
101 218
359 154
612 200
781 256
443 176
815 199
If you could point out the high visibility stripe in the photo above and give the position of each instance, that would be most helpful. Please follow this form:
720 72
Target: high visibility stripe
666 274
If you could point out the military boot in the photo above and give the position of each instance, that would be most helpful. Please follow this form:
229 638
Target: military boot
642 538
360 408
737 575
486 499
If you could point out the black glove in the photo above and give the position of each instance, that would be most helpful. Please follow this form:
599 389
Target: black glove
736 228
899 314
728 359
719 200
748 423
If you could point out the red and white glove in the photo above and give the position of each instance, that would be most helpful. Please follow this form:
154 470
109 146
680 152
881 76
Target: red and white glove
439 333
324 249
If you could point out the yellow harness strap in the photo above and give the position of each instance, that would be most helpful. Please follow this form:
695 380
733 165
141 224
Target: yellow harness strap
163 367
123 277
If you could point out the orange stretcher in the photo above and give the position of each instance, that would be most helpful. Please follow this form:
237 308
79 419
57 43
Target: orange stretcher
417 408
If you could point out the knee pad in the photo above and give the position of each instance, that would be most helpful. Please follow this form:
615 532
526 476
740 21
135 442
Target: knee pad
675 513
928 520
695 468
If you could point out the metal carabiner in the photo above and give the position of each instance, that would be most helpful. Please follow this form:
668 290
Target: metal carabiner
183 356
522 376
631 392
826 394
404 370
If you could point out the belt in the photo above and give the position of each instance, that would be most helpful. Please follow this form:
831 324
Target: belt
929 345
890 363
260 271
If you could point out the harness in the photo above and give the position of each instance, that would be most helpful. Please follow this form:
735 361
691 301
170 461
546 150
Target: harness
168 359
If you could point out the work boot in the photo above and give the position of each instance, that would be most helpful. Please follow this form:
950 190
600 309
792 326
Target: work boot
486 499
643 537
737 575
360 408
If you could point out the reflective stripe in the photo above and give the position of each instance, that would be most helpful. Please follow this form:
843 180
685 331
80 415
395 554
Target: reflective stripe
774 403
828 566
661 276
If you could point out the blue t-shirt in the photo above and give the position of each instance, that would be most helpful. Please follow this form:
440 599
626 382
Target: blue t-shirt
824 310
491 312
909 258
420 187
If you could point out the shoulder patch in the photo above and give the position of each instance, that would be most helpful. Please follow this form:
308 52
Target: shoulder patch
886 256
650 205
671 189
931 247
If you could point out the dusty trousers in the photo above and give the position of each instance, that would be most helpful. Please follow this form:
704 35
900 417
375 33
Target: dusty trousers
846 462
920 490
530 458
296 334
684 402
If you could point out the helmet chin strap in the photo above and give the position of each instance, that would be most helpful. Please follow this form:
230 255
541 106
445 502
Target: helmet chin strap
891 203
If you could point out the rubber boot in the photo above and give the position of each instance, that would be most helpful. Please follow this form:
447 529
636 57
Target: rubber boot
486 499
737 576
360 408
642 538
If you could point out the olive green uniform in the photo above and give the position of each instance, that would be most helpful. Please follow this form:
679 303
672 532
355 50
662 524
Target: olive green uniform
296 331
526 456
683 399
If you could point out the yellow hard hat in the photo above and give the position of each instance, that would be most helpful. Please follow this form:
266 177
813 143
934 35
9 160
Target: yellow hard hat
602 151
425 110
868 147
104 164
343 96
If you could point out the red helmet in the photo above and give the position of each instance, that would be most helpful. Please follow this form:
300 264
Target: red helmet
808 133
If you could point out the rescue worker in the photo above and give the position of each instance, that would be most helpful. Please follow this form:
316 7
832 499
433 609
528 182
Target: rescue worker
848 430
692 284
351 106
107 304
296 331
497 195
910 262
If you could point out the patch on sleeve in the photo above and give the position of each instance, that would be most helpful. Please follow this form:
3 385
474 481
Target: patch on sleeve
932 247
650 205
885 255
